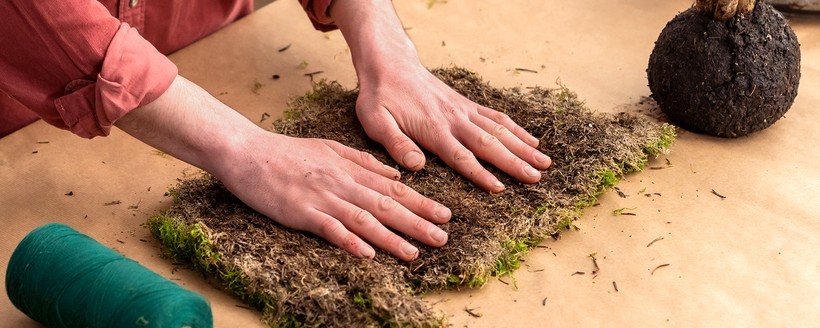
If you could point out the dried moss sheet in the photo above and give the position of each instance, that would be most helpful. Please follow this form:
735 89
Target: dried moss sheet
297 279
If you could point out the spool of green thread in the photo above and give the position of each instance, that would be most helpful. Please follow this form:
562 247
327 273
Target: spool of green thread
62 278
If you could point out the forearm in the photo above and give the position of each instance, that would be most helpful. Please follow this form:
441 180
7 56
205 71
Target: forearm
188 123
375 35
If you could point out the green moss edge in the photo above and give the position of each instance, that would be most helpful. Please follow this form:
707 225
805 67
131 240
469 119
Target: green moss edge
189 243
514 250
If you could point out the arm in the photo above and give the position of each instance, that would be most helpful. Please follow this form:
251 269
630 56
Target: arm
401 102
343 195
75 65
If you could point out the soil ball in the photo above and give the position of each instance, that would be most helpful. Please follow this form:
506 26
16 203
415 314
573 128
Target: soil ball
725 78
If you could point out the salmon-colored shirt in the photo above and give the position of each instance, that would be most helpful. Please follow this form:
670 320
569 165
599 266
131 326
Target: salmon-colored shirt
82 64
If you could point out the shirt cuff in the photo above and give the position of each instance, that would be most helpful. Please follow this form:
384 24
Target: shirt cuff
133 74
319 13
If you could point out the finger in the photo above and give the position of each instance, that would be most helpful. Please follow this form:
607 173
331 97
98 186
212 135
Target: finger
382 128
332 230
517 146
366 226
490 149
508 123
407 197
363 159
392 214
461 159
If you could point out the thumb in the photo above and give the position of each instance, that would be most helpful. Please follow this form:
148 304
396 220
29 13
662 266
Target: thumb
382 128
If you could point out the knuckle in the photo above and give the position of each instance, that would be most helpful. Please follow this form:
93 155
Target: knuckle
399 141
463 155
488 140
329 227
361 217
421 225
368 158
498 130
426 204
499 117
398 189
387 204
393 240
351 241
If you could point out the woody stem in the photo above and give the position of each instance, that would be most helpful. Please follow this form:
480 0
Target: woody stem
725 9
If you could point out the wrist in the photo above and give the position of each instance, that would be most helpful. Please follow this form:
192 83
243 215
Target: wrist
377 40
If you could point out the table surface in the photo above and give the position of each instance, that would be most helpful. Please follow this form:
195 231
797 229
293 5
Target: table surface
750 259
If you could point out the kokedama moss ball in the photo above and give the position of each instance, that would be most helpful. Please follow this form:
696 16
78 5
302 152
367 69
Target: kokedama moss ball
725 78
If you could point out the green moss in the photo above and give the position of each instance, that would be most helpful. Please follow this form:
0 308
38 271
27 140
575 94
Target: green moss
361 301
667 137
189 243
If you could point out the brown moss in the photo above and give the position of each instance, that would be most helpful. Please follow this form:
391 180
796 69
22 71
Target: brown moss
304 280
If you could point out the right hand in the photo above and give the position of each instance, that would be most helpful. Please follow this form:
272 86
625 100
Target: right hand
343 195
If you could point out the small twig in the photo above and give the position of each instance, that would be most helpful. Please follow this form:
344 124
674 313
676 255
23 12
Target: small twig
615 284
518 69
115 202
578 273
544 301
595 263
658 267
472 312
311 74
285 47
620 211
654 241
718 194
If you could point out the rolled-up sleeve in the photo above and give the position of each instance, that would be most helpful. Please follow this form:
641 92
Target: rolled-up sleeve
75 65
319 13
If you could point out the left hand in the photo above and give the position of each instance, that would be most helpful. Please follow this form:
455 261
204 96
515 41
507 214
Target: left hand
401 104
413 105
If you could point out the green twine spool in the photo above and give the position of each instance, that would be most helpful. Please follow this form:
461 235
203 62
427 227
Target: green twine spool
62 278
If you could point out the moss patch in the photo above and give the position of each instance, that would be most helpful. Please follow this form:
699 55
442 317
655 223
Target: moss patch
300 280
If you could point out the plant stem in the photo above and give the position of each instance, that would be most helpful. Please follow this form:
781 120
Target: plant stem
723 10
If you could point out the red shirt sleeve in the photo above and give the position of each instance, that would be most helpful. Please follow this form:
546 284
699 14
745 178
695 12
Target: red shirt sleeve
77 66
319 13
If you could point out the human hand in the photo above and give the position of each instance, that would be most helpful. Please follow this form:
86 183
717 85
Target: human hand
413 105
340 194
401 104
343 195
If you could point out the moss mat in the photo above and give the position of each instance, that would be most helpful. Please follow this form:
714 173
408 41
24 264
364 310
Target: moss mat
297 279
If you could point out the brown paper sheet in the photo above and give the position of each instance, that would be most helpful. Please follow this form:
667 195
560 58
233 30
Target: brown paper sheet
747 260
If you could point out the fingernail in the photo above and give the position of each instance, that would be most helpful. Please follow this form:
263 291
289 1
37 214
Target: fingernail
496 184
442 213
393 171
367 252
541 157
410 250
412 159
531 171
438 234
534 140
